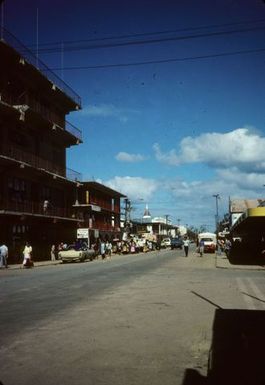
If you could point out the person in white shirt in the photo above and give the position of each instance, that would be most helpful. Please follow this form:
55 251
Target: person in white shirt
27 253
186 244
45 206
3 256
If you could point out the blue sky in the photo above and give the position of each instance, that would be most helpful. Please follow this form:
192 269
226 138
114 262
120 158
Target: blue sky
176 131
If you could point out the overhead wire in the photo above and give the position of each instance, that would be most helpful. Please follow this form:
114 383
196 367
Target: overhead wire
115 37
162 61
150 41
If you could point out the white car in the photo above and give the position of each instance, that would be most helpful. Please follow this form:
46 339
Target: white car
166 242
73 255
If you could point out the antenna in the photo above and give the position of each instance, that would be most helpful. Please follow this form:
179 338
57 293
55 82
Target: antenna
2 19
62 59
37 39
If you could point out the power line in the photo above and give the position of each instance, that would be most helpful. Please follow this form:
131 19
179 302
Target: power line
151 41
188 58
115 37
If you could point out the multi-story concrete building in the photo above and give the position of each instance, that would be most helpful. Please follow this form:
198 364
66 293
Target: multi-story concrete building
98 207
37 191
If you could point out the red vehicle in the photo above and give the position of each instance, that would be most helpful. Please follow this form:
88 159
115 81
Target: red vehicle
209 241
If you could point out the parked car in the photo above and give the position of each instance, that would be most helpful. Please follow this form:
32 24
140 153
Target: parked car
165 242
71 254
176 243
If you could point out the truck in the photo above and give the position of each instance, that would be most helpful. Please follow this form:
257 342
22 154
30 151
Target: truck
209 240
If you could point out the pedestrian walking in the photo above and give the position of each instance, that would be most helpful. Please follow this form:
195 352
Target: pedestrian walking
53 251
3 256
103 250
201 247
108 249
228 246
27 254
186 244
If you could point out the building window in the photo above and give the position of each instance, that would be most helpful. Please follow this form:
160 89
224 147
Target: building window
18 189
20 229
45 193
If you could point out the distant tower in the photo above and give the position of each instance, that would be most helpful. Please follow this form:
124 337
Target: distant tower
147 215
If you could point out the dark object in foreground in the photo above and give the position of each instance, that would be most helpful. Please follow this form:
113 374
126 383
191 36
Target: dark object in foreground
237 354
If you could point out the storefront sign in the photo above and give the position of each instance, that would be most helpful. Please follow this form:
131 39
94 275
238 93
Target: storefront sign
82 233
95 208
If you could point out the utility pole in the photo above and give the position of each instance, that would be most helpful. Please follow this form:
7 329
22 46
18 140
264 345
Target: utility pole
178 231
216 196
166 216
127 219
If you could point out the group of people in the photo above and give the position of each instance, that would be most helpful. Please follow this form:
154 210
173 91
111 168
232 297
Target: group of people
27 256
132 246
56 249
105 248
101 247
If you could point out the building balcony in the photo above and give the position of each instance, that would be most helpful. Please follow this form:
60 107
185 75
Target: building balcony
69 127
105 206
35 107
32 59
29 208
14 153
105 227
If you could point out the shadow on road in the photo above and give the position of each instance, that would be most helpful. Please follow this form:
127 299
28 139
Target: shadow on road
237 351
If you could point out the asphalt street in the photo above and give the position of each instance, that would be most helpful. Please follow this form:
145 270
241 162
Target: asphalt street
155 318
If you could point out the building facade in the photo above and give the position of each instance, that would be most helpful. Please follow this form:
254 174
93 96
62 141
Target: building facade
99 209
37 190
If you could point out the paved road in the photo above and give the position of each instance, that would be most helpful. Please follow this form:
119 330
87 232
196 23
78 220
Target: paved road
143 319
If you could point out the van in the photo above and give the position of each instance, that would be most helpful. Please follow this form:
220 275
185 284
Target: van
209 240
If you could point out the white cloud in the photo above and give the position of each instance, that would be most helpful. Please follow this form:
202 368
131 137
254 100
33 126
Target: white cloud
193 201
238 158
108 110
105 110
242 148
130 158
170 157
243 180
133 187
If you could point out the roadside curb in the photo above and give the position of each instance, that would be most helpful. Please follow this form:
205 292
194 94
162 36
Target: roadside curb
36 264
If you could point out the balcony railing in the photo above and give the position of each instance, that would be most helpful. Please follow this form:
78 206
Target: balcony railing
73 130
40 66
37 162
73 175
34 208
105 205
105 226
44 112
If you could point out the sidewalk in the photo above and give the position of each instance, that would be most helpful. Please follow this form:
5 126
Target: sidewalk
36 264
222 262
